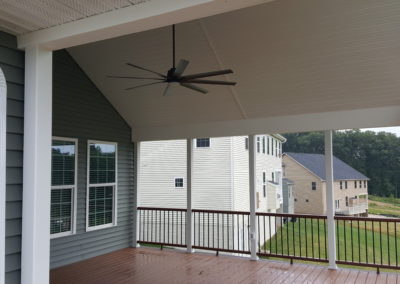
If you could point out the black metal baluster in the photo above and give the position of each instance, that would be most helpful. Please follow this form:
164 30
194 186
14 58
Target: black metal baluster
169 223
208 229
359 241
352 243
312 237
264 241
326 253
248 231
213 238
319 241
270 234
366 241
276 236
380 239
287 235
395 240
337 240
345 240
305 237
227 228
300 237
388 244
373 241
259 234
223 233
294 239
281 235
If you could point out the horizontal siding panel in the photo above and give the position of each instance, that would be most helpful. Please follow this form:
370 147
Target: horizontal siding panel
15 125
15 91
13 176
14 141
15 108
13 245
14 158
14 210
14 192
13 276
13 262
13 74
13 227
12 57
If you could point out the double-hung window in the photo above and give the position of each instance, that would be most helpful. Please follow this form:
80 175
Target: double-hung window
258 144
264 184
263 144
102 185
203 142
63 186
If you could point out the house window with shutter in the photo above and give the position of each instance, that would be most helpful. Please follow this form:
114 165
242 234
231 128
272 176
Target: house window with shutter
102 185
63 186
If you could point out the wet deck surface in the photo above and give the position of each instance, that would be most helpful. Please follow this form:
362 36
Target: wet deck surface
148 265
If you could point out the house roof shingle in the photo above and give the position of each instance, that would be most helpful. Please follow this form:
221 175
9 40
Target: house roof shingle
316 164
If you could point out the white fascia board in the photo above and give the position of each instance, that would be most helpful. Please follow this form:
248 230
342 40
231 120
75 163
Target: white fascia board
132 19
348 119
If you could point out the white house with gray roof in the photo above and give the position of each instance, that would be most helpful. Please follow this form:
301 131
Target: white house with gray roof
307 171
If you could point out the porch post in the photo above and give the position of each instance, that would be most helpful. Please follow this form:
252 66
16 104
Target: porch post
252 195
189 158
136 219
37 166
330 209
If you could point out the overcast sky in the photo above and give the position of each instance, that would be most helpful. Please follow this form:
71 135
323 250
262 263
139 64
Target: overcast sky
395 130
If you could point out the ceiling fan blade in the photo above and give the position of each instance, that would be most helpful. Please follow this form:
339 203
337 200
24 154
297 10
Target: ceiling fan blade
132 77
211 82
207 74
181 67
166 90
144 85
145 69
194 88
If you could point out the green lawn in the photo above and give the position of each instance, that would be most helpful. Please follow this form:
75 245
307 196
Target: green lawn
387 206
356 242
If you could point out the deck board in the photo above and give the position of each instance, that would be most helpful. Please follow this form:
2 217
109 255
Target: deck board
148 265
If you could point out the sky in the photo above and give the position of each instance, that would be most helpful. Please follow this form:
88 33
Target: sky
394 130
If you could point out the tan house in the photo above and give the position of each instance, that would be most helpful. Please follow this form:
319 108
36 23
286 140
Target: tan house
307 171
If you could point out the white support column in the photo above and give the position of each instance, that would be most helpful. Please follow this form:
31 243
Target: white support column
136 195
3 123
252 194
330 208
189 158
37 166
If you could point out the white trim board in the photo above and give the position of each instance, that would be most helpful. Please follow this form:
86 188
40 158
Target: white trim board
347 119
132 19
3 133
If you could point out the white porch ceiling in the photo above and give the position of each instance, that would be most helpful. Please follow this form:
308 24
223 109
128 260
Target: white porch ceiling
289 57
23 16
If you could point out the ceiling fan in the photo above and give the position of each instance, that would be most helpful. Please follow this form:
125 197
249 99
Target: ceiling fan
175 75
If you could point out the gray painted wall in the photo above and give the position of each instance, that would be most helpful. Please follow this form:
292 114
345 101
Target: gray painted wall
12 64
81 111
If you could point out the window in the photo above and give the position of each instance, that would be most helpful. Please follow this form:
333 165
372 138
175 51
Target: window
272 146
263 144
102 183
276 148
347 201
246 143
355 184
203 143
273 177
268 145
360 184
345 184
341 185
265 184
313 185
258 144
365 184
63 186
337 204
295 200
178 182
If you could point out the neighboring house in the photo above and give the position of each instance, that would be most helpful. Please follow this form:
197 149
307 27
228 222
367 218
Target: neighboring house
307 171
220 173
288 196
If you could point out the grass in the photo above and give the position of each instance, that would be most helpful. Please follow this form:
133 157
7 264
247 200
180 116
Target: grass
387 206
358 242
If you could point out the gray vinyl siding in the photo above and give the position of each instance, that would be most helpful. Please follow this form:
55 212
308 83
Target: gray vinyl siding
12 64
81 111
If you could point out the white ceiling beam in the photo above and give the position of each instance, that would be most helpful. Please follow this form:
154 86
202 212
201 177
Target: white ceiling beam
144 16
349 119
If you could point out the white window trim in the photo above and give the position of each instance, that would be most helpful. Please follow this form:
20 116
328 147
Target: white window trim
183 183
74 189
3 133
115 185
195 142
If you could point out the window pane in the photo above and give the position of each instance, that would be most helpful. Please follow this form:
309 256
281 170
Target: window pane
102 163
63 162
61 212
203 142
100 205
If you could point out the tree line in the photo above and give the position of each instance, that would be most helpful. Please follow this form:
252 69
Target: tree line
376 155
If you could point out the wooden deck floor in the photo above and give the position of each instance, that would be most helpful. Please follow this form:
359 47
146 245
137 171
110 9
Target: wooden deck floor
147 265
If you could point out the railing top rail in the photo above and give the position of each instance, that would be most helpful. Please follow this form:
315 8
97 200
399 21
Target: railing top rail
221 211
368 219
162 209
291 215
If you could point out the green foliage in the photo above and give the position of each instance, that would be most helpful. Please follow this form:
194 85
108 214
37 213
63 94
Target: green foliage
376 155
